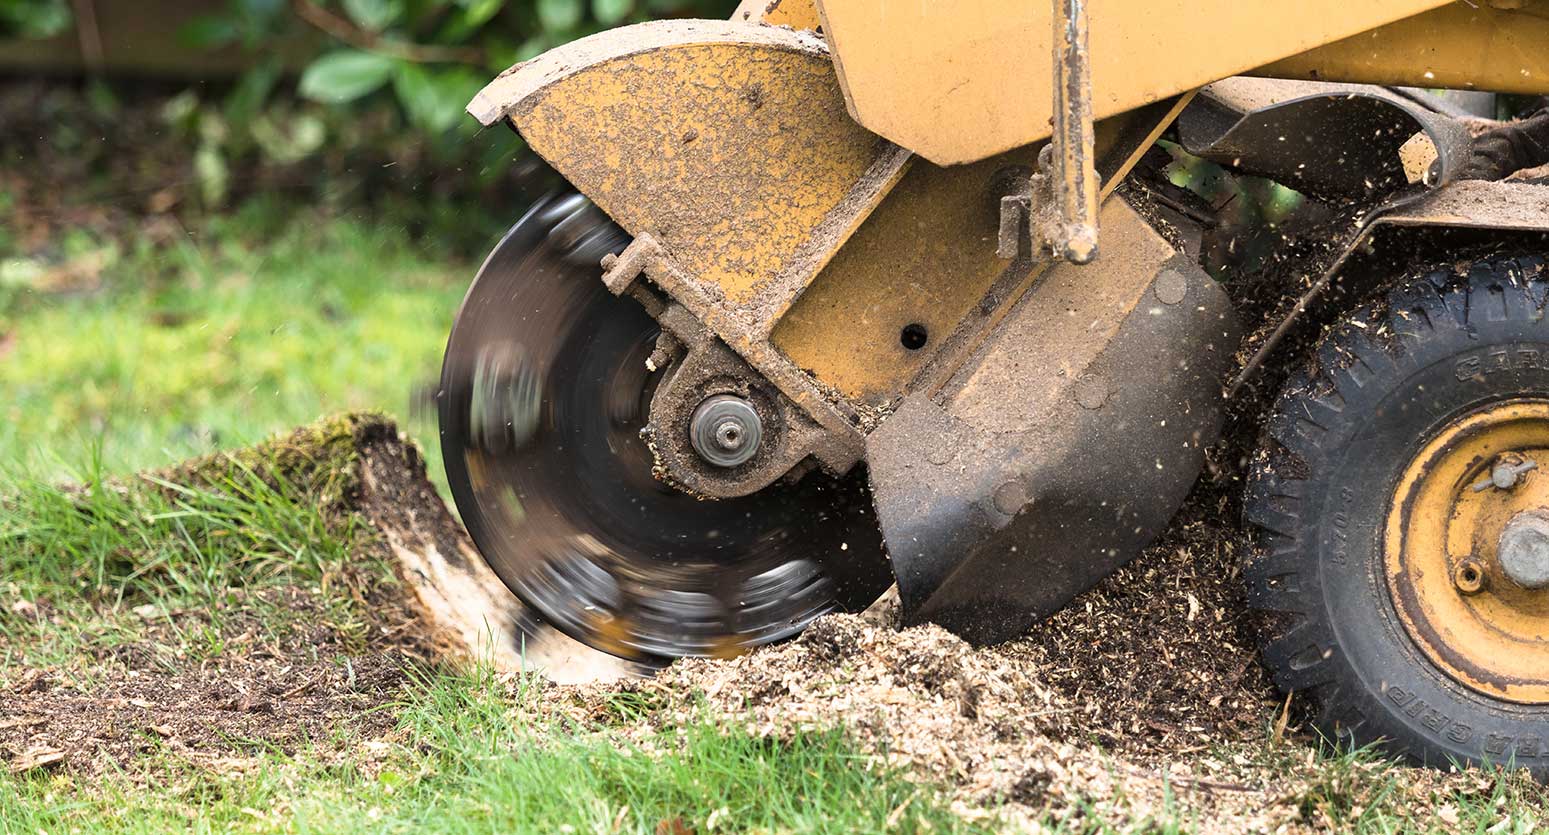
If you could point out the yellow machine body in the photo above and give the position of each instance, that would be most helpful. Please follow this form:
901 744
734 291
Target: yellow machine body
957 82
733 143
810 183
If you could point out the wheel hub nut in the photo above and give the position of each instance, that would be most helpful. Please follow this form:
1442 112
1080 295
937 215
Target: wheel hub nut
726 430
1523 549
1468 576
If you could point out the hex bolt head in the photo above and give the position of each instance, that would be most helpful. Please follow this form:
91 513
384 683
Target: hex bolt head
726 430
1468 576
1523 549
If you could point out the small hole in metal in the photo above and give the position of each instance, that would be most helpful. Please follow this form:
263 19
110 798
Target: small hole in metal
914 336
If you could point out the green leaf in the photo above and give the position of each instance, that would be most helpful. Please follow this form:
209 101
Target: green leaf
476 13
612 12
289 140
374 15
345 76
434 99
34 18
468 18
207 32
182 111
252 90
560 15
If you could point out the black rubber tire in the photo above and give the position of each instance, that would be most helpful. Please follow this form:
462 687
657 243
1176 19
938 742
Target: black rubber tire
1337 440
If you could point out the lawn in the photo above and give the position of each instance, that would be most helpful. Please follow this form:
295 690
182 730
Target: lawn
154 599
125 356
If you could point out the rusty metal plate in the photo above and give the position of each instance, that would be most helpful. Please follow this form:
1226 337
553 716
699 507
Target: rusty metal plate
923 260
1478 204
958 82
729 143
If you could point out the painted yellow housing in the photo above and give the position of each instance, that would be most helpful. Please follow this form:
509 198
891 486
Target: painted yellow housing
958 82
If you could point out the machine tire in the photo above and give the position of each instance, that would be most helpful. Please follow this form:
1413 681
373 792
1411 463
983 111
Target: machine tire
1318 494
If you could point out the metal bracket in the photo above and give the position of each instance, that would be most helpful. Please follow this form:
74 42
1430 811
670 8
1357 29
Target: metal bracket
1057 206
695 318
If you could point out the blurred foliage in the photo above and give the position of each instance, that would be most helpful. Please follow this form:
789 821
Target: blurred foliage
405 67
34 18
419 59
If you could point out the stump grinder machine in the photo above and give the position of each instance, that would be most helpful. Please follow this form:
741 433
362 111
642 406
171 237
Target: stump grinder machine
848 293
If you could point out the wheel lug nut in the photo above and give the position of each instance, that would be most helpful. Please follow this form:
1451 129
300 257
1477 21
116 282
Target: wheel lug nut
1468 576
729 435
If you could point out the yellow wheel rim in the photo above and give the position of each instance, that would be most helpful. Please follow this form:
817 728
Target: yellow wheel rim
1478 611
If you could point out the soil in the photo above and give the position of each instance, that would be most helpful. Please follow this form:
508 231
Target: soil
275 697
257 688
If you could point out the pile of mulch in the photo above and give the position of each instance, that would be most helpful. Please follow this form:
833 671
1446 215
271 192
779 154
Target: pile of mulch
1144 698
1145 691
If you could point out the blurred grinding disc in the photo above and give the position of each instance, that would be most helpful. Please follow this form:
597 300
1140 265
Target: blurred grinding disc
543 395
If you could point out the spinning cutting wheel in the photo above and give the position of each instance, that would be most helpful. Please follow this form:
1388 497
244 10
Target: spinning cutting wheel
544 392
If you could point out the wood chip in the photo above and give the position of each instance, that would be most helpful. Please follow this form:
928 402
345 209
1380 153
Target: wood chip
37 757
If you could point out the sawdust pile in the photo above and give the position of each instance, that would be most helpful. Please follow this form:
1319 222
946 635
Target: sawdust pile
1146 687
1141 700
982 722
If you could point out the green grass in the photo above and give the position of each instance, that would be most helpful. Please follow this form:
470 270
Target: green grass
253 323
471 757
204 538
471 751
1359 791
1327 789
